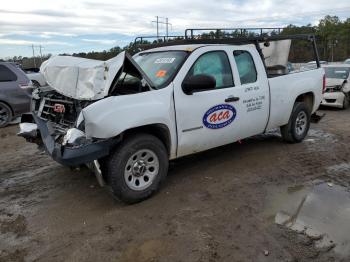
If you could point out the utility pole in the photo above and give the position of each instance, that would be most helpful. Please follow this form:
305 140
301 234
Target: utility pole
166 23
34 55
41 55
157 27
167 27
157 22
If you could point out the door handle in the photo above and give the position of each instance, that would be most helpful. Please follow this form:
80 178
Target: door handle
232 99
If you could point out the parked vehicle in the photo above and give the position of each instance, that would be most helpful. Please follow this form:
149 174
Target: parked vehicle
128 117
337 93
15 90
347 61
35 76
312 65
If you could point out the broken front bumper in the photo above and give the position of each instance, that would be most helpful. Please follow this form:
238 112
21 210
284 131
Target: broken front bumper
66 155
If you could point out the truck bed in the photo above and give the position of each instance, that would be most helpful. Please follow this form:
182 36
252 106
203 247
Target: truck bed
281 105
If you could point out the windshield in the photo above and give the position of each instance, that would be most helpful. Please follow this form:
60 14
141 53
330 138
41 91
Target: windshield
337 72
160 67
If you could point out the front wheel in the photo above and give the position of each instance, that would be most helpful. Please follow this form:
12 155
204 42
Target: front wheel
137 168
299 123
5 114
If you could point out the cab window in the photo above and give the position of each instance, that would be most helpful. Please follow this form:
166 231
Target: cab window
215 64
246 67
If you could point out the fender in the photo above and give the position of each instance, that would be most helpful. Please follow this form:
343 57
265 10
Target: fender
112 116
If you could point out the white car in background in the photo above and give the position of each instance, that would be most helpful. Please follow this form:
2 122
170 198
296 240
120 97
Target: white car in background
35 76
311 65
337 93
347 61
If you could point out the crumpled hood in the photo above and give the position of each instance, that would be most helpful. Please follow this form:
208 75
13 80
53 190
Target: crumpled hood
81 78
334 82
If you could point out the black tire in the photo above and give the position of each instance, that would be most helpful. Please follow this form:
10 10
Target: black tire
121 157
289 131
5 115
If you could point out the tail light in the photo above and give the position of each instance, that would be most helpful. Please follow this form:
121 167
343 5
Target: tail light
324 84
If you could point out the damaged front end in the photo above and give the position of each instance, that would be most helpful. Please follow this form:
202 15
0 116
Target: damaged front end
56 121
53 125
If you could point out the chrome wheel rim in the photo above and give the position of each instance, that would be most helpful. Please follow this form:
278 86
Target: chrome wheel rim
141 169
301 123
4 115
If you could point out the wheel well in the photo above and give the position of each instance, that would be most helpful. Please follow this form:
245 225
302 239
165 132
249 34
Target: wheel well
160 131
13 113
308 99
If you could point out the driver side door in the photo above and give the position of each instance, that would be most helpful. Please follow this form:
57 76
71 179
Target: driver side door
210 118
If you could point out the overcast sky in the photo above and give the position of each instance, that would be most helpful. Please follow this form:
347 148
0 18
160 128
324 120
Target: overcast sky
66 26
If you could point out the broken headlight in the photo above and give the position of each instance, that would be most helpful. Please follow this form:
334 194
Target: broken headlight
74 137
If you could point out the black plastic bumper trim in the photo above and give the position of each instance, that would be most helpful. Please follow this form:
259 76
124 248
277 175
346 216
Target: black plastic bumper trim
72 156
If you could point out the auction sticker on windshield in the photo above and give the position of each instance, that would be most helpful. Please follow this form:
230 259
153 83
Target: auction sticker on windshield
165 60
219 116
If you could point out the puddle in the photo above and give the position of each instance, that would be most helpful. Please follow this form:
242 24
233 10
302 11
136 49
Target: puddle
321 211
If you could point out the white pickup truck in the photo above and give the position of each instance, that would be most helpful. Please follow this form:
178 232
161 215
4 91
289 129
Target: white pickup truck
127 117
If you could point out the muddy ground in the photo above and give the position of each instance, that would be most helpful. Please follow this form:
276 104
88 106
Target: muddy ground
219 205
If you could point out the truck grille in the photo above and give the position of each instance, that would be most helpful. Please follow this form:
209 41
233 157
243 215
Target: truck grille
60 111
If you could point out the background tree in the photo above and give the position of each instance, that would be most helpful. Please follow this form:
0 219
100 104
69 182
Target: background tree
333 37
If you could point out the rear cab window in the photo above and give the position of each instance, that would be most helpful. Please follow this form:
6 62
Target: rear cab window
6 75
245 66
215 64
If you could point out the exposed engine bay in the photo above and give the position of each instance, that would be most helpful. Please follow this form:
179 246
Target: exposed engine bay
62 111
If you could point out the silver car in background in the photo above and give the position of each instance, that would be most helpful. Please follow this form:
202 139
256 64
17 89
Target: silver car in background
337 93
15 92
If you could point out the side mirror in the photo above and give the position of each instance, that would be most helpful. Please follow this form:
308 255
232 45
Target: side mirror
198 83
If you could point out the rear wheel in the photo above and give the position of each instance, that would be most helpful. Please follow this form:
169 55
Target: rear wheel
5 114
299 123
137 168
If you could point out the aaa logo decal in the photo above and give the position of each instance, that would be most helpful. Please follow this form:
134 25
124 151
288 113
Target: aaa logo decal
219 116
